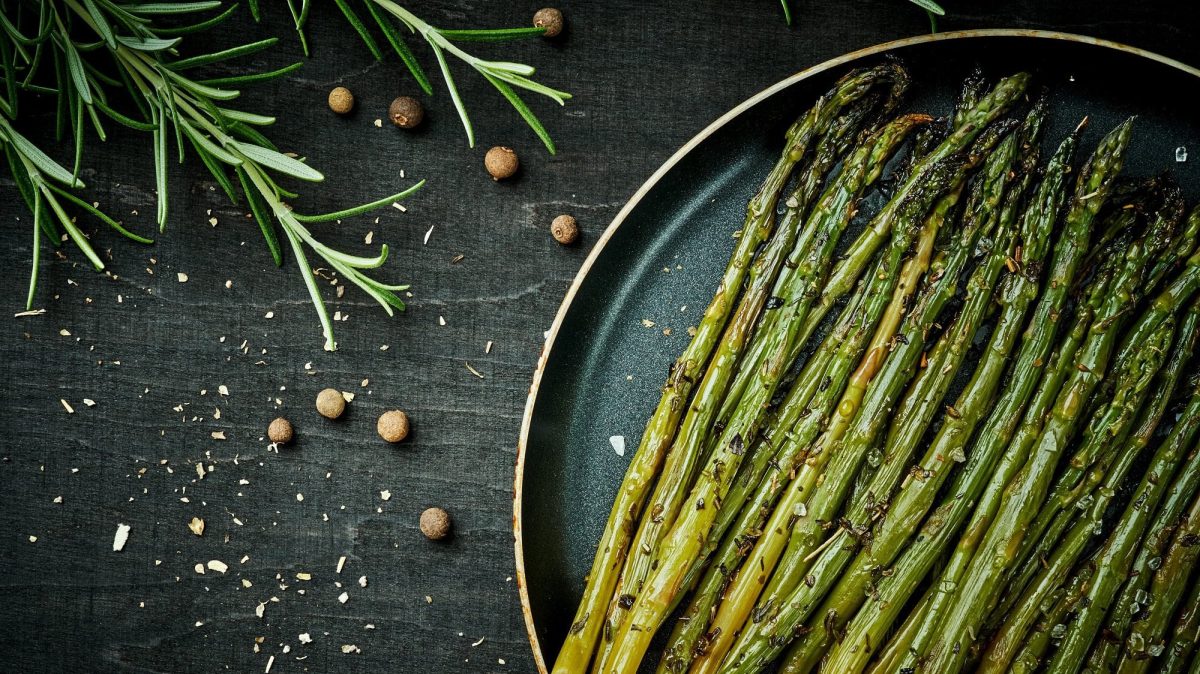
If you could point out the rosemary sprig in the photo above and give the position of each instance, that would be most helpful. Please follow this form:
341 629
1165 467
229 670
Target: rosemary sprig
505 76
143 63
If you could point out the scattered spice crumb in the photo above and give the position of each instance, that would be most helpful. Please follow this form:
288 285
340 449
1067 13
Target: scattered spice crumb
182 277
341 563
67 406
303 576
385 495
197 526
428 232
487 348
618 444
473 371
217 565
343 598
218 435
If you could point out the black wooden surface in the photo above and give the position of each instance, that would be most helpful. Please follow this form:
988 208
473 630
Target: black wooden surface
646 77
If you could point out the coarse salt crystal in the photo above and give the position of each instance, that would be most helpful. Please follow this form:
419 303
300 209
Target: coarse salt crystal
618 444
120 538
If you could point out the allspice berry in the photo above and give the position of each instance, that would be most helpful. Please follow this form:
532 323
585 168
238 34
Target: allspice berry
392 425
330 403
565 229
501 162
341 100
406 112
435 524
549 18
280 431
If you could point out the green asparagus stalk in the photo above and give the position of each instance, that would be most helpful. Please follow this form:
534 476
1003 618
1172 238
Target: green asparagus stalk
1091 464
1109 426
863 168
1009 636
1116 557
842 454
1106 653
988 109
1186 633
681 547
887 659
793 232
981 585
1006 427
581 640
1052 624
974 114
1165 594
901 517
1185 243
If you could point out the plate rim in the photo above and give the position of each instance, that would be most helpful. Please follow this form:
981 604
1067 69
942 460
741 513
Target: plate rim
668 165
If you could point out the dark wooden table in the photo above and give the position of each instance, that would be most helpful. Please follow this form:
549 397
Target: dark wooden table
159 358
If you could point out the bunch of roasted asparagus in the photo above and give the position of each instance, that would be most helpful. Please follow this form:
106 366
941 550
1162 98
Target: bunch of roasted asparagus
954 432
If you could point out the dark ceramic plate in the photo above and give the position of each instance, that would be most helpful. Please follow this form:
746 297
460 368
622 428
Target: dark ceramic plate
600 372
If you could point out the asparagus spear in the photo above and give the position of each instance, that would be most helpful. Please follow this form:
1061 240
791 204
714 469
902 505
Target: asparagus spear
887 659
686 452
1019 614
1105 655
1117 556
1133 379
1186 633
580 642
981 587
1165 596
863 168
843 453
974 114
988 109
681 547
904 514
1091 464
1051 626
